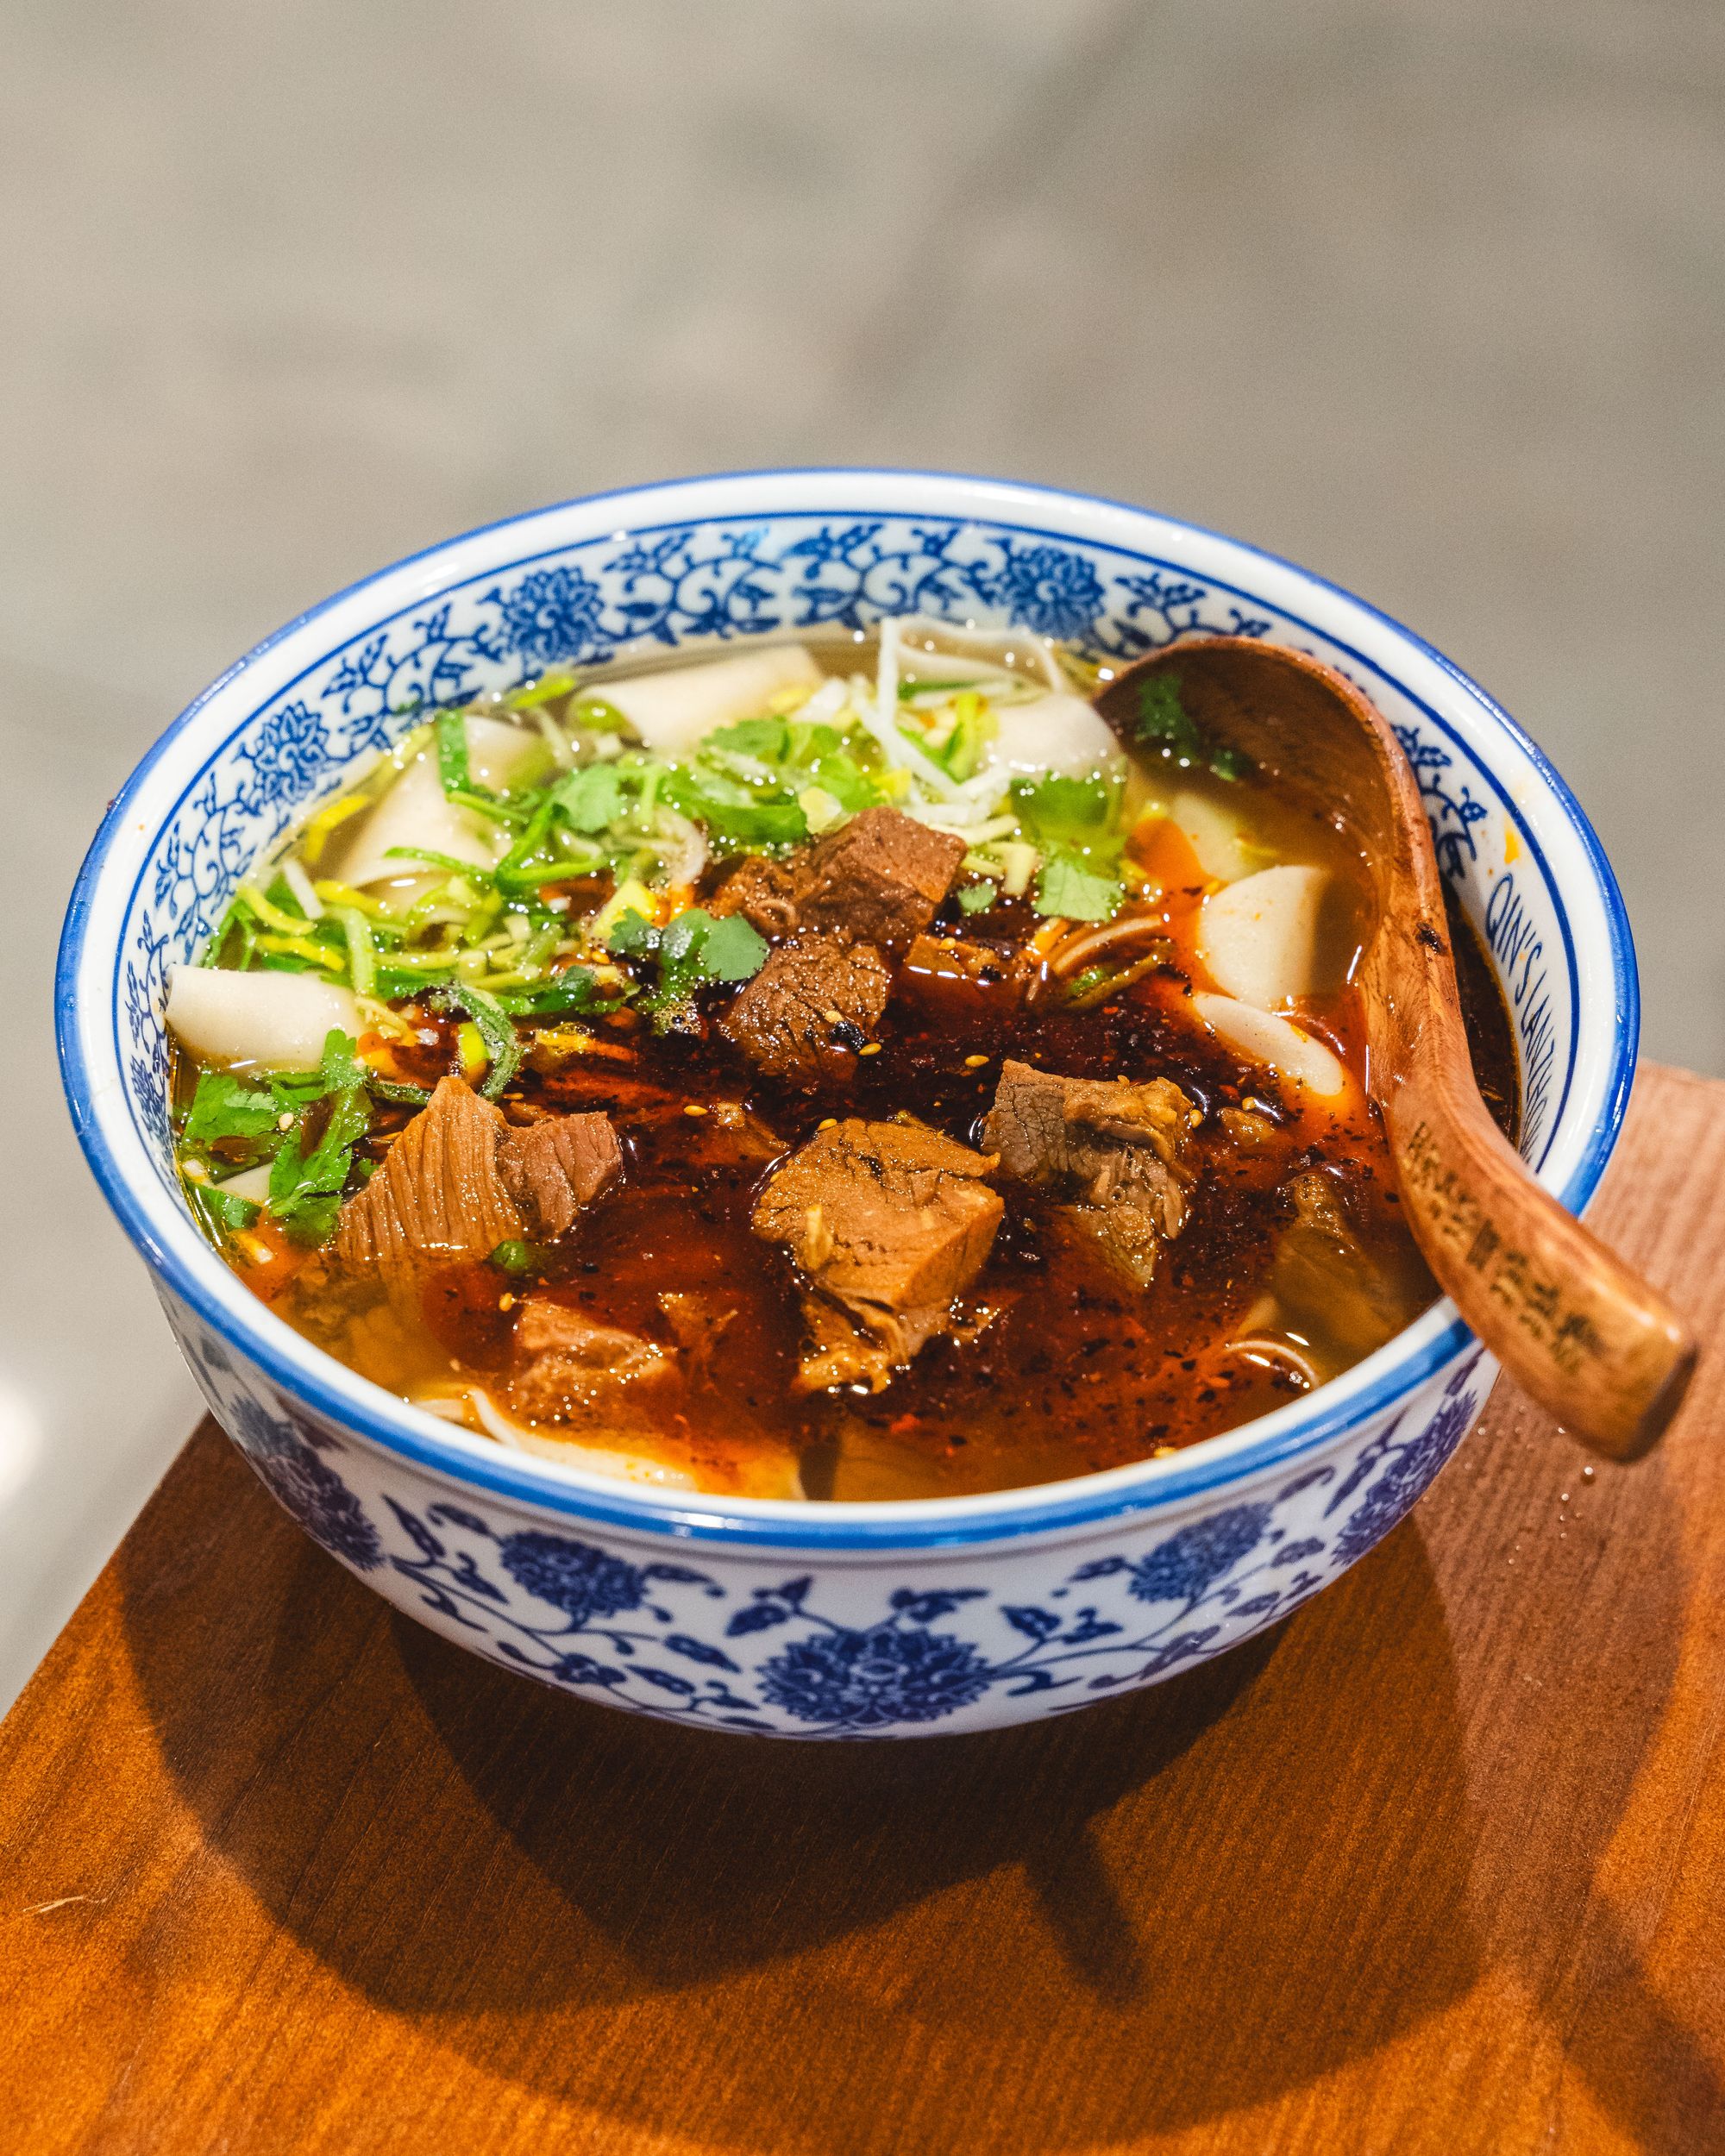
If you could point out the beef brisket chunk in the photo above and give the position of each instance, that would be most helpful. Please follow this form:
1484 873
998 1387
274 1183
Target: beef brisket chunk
1327 1286
439 1196
763 891
568 1369
1115 1151
840 1351
459 1180
818 997
698 1321
881 877
555 1167
888 1222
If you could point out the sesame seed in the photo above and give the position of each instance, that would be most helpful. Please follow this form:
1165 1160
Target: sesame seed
833 1017
974 1062
869 1047
829 1123
506 1302
694 1107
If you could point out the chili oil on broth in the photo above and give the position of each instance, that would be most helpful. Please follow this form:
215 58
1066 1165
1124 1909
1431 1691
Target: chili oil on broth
1062 1371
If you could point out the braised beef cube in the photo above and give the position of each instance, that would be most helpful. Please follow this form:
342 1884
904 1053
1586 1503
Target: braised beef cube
568 1369
889 1222
698 1321
557 1165
458 1181
818 998
964 978
840 1351
763 891
1328 1289
438 1198
1114 1149
881 877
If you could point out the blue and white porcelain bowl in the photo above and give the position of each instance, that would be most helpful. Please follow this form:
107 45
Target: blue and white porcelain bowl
839 1619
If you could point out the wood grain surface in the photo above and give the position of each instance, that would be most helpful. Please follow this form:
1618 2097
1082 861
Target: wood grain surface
1438 1865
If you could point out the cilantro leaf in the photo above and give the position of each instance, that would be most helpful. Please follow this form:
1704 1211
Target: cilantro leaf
693 948
245 1120
767 740
591 799
224 1211
733 949
733 816
1076 823
305 1188
222 1108
840 775
1066 886
1163 722
1056 805
339 1066
1232 764
976 898
632 934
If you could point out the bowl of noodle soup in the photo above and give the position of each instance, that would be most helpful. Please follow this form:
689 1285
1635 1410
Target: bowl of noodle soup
932 1599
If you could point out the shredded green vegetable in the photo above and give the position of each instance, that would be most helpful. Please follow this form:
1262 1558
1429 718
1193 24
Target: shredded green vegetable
449 730
519 935
502 1043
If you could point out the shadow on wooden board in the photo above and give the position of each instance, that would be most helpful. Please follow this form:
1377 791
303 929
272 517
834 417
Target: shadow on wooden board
1169 1908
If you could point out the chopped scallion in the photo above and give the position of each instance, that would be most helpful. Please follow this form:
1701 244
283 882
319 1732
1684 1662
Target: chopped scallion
449 730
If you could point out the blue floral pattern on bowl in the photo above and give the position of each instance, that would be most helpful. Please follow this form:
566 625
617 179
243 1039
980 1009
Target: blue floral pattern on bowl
709 580
814 1621
719 1645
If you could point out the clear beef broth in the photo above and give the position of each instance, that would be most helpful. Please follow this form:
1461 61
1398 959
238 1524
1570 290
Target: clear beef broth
1294 1260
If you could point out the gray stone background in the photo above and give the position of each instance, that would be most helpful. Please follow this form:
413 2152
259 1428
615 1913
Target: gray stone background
1430 294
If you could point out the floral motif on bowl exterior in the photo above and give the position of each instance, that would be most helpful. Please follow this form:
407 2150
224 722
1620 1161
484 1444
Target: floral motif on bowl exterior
678 1640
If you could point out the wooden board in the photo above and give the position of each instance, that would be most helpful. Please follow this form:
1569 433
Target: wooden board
1440 1866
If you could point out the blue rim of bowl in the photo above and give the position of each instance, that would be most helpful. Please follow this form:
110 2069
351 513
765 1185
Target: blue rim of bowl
395 1426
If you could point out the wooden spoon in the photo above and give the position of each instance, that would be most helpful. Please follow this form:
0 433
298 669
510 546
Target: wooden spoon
1596 1346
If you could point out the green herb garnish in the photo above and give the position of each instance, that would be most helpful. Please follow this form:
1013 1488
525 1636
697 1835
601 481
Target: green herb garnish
1066 886
305 1188
1164 723
223 1110
693 949
224 1210
1077 824
575 989
307 1179
503 1044
449 730
591 799
424 855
